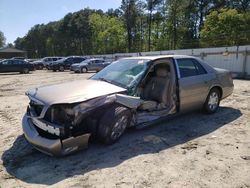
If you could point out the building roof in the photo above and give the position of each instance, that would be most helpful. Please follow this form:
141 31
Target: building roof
10 50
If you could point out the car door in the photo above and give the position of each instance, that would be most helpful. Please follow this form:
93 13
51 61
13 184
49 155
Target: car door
8 66
193 83
100 65
96 65
91 65
68 62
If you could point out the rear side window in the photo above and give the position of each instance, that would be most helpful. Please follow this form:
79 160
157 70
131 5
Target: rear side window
190 67
17 62
78 60
200 68
12 62
99 61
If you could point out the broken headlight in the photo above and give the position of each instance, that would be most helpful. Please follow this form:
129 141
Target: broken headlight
62 114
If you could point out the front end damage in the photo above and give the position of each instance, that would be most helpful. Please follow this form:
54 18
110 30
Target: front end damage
62 129
52 146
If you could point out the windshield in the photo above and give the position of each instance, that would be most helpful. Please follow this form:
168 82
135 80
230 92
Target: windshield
124 72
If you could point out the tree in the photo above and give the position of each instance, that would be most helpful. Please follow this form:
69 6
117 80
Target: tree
141 25
151 6
226 27
130 13
2 39
108 34
10 45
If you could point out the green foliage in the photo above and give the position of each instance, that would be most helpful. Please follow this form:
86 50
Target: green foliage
226 27
108 34
2 39
142 25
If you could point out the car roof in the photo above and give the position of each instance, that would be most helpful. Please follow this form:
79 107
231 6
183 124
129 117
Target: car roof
160 57
74 56
92 59
14 60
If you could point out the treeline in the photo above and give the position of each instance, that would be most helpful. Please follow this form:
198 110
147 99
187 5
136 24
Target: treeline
142 25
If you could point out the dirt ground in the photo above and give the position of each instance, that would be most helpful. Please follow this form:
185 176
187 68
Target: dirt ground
193 150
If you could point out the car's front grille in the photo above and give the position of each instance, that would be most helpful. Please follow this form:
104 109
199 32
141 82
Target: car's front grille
46 134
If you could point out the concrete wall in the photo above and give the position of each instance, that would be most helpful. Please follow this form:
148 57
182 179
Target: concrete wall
236 59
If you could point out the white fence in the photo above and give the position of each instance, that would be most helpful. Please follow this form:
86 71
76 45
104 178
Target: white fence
234 58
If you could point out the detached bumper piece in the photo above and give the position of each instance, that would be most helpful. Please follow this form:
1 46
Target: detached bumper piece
53 147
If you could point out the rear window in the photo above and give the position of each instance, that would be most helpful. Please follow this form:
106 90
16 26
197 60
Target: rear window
190 67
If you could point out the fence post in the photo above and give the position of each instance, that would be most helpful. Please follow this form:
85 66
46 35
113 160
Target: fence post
202 55
245 64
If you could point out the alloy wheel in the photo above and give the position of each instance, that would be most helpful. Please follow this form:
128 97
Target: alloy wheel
213 101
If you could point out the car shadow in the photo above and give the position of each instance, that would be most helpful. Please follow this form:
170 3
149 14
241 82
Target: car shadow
25 163
9 74
15 73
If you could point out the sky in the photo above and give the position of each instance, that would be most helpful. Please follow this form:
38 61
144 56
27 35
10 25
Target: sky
18 16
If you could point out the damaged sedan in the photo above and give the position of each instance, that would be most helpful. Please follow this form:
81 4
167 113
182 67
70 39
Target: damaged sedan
136 91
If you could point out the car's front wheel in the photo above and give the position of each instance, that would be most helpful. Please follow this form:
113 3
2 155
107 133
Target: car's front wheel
25 71
113 124
61 68
84 70
213 101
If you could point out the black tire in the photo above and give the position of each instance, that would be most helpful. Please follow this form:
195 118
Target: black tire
40 67
54 70
84 70
61 68
25 71
213 101
113 124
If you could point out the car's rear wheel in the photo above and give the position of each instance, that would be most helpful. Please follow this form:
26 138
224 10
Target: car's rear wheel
61 68
84 70
213 101
25 71
113 124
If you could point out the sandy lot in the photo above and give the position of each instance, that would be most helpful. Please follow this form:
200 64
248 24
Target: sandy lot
194 150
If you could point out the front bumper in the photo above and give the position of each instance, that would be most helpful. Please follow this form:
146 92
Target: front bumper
54 147
75 69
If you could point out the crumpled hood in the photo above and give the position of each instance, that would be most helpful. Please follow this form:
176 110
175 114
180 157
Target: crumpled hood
72 92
